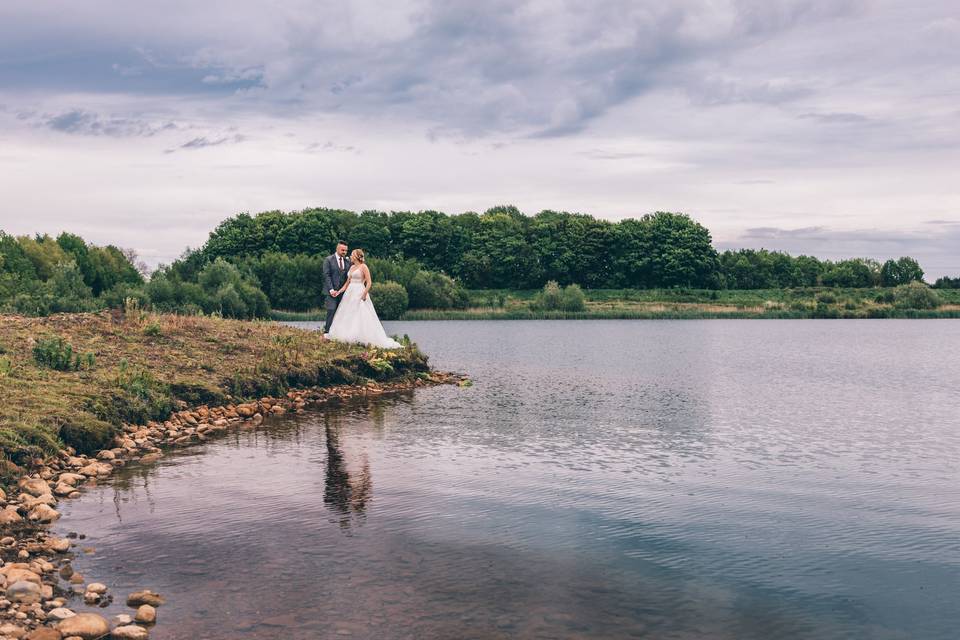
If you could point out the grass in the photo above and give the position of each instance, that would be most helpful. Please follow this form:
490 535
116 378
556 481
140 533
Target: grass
142 366
644 304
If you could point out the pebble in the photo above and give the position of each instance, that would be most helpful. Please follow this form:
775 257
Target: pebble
130 632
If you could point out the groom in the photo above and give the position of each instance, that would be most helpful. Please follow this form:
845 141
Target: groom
335 269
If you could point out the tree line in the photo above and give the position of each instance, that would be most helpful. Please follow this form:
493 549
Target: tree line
426 259
505 249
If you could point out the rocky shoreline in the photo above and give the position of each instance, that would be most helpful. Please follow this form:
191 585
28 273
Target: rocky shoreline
37 577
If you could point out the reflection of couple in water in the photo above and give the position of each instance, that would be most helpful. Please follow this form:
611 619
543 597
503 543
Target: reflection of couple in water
347 490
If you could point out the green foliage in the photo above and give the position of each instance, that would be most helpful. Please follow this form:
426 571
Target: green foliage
900 271
390 299
915 295
858 272
573 298
153 330
553 297
56 353
947 283
432 290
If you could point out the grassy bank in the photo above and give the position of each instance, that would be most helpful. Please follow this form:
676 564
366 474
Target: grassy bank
75 379
814 302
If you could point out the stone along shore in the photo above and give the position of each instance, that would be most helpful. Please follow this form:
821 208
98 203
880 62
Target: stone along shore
37 576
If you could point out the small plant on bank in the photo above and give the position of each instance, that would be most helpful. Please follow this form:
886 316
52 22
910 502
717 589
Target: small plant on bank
915 295
153 330
57 353
6 367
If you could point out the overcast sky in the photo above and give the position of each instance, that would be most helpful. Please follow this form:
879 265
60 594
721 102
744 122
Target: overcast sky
824 127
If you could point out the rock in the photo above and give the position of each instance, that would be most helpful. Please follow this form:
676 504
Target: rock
106 454
66 571
63 489
29 502
97 587
71 478
60 613
9 515
77 578
130 632
121 619
145 597
24 591
12 631
90 597
34 486
3 495
17 571
60 545
43 513
44 633
146 614
89 626
150 458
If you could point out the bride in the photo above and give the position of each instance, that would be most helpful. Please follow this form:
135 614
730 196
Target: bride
356 320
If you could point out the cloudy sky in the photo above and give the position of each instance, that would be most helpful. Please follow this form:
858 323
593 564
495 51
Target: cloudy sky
829 127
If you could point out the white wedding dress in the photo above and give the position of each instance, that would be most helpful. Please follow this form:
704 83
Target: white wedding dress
356 320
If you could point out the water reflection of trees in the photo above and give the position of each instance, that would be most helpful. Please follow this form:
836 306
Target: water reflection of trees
345 492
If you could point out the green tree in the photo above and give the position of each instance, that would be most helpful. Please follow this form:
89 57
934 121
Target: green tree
900 271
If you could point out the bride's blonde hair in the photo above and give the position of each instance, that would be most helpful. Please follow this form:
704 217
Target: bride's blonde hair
357 256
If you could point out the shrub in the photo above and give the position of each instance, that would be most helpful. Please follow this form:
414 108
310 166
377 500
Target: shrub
153 330
915 295
573 298
885 297
433 290
550 298
826 298
116 297
390 299
57 353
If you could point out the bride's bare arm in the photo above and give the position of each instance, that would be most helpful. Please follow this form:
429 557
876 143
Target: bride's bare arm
367 282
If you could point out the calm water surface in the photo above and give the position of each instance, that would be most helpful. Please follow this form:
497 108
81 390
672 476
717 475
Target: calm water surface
602 479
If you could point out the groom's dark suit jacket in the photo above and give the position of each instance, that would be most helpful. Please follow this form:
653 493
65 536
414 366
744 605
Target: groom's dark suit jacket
333 278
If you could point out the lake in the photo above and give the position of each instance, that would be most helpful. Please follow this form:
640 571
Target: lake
601 479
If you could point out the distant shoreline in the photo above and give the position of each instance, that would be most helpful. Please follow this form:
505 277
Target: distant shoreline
682 304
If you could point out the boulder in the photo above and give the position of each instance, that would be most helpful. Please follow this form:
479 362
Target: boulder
60 613
44 633
34 486
12 631
73 479
24 591
89 626
130 632
145 597
9 515
63 489
17 571
60 545
43 513
146 614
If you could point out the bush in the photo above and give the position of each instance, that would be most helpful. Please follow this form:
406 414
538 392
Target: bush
826 298
915 295
433 290
390 299
57 353
550 298
116 297
885 297
573 298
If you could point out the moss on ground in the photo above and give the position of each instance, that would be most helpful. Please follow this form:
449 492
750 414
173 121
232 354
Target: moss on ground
146 365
